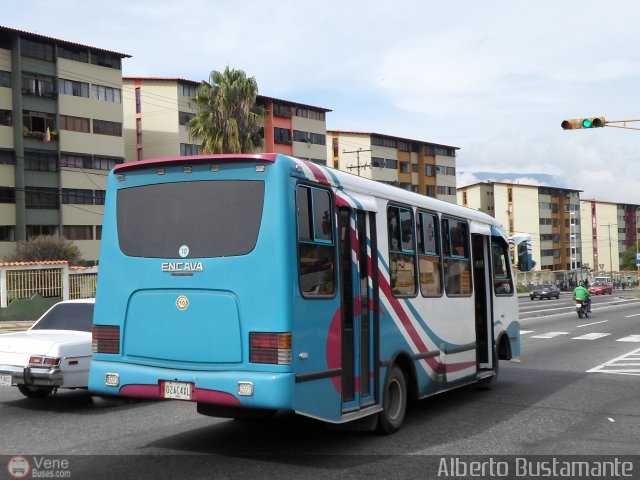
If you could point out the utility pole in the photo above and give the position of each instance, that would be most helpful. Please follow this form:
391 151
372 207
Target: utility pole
357 166
608 225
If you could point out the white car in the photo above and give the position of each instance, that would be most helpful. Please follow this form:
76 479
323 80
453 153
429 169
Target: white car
54 353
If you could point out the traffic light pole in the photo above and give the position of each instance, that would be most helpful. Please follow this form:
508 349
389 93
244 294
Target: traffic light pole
623 122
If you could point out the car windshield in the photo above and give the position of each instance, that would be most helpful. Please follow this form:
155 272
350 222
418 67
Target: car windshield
67 316
542 287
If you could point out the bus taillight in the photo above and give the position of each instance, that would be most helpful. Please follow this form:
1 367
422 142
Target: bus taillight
106 339
274 348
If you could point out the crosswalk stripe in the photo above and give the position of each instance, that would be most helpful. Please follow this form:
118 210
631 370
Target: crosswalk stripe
550 335
630 338
591 336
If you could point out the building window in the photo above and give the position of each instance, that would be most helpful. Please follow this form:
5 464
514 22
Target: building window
106 94
77 196
99 196
46 198
7 195
402 252
38 121
105 59
71 87
98 232
451 190
72 53
336 147
281 110
39 85
138 101
429 170
442 190
7 233
316 248
186 89
104 127
139 131
404 167
32 49
187 149
75 160
74 124
431 190
38 230
40 161
184 117
5 118
102 162
77 232
5 79
282 136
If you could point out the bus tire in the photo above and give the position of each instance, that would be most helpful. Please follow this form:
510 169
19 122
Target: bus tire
395 402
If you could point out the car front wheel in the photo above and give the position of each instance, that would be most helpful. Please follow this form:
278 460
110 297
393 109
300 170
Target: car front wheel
35 392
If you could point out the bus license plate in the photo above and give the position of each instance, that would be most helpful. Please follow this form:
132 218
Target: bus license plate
177 390
5 380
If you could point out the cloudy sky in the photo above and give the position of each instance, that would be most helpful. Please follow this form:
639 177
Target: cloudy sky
493 77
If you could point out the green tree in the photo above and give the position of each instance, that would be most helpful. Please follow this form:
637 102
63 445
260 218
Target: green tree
45 248
227 118
628 259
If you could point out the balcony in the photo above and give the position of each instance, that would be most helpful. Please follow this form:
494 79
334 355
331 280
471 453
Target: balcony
40 135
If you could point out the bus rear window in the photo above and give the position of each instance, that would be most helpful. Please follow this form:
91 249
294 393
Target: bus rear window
212 218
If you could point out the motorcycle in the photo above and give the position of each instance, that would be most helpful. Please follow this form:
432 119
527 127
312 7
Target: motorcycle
581 308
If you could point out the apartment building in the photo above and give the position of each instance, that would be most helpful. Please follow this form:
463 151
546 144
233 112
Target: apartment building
415 165
158 109
552 216
60 133
608 230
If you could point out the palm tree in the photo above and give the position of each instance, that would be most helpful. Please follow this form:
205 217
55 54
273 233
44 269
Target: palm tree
227 119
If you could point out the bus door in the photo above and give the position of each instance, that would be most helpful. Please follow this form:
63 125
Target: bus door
482 301
359 306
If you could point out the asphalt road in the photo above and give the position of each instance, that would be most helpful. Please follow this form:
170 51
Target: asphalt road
574 392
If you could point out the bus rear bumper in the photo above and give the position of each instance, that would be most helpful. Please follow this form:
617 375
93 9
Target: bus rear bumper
270 390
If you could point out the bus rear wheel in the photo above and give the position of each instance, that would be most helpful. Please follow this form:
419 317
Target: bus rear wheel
395 402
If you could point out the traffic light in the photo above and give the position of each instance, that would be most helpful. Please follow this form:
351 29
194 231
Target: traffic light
575 123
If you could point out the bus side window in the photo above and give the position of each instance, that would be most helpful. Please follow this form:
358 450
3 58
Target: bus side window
457 263
502 281
402 253
316 248
429 262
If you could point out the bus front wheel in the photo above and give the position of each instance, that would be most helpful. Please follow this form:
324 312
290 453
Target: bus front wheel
395 402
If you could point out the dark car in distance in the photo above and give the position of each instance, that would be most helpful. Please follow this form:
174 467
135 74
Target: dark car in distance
546 290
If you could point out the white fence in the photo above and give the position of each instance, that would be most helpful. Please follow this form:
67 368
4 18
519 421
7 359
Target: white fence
49 279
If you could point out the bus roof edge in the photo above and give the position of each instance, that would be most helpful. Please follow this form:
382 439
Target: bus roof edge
217 158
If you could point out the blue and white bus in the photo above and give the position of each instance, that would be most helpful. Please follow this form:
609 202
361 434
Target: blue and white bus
251 284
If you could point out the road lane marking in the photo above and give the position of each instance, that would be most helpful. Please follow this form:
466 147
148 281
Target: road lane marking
619 365
550 335
634 315
594 323
524 332
591 336
630 338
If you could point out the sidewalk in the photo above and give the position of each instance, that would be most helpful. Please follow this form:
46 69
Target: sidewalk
7 327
